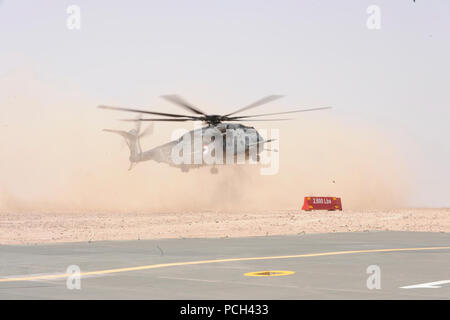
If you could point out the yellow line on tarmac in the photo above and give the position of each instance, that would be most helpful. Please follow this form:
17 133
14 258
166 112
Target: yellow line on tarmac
269 273
176 264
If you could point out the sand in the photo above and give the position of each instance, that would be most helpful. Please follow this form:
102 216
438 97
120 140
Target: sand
37 228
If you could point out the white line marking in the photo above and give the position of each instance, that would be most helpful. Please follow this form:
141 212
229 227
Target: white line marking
428 285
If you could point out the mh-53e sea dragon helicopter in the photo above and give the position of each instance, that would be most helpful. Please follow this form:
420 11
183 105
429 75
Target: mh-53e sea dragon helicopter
217 143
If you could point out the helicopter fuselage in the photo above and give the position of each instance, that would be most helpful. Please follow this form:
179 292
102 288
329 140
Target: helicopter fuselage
224 143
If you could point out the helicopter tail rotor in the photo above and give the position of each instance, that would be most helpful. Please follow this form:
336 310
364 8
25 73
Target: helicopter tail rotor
132 140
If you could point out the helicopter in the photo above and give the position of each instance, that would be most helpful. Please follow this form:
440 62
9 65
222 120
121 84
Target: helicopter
223 139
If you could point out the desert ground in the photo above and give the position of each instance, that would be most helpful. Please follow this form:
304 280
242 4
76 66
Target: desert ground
35 228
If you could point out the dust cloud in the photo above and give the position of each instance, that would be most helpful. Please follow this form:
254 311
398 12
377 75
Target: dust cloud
55 158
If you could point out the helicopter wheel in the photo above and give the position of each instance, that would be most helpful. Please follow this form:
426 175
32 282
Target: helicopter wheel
214 170
184 169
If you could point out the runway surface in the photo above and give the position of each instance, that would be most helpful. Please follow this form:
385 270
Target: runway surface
317 266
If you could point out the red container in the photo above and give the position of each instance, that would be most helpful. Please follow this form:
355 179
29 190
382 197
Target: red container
322 203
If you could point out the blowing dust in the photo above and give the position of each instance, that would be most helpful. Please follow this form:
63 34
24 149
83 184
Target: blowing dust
57 159
66 170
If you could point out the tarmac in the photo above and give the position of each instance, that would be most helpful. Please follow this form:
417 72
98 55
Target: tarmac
366 265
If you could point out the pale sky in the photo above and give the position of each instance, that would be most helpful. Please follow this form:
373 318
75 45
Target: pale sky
233 52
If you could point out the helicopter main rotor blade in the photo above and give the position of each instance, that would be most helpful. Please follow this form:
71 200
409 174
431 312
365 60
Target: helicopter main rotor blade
275 113
260 119
147 112
257 103
173 120
138 123
147 131
182 103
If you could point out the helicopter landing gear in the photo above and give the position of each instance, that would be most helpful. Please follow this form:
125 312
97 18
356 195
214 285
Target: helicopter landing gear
256 158
184 169
214 170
